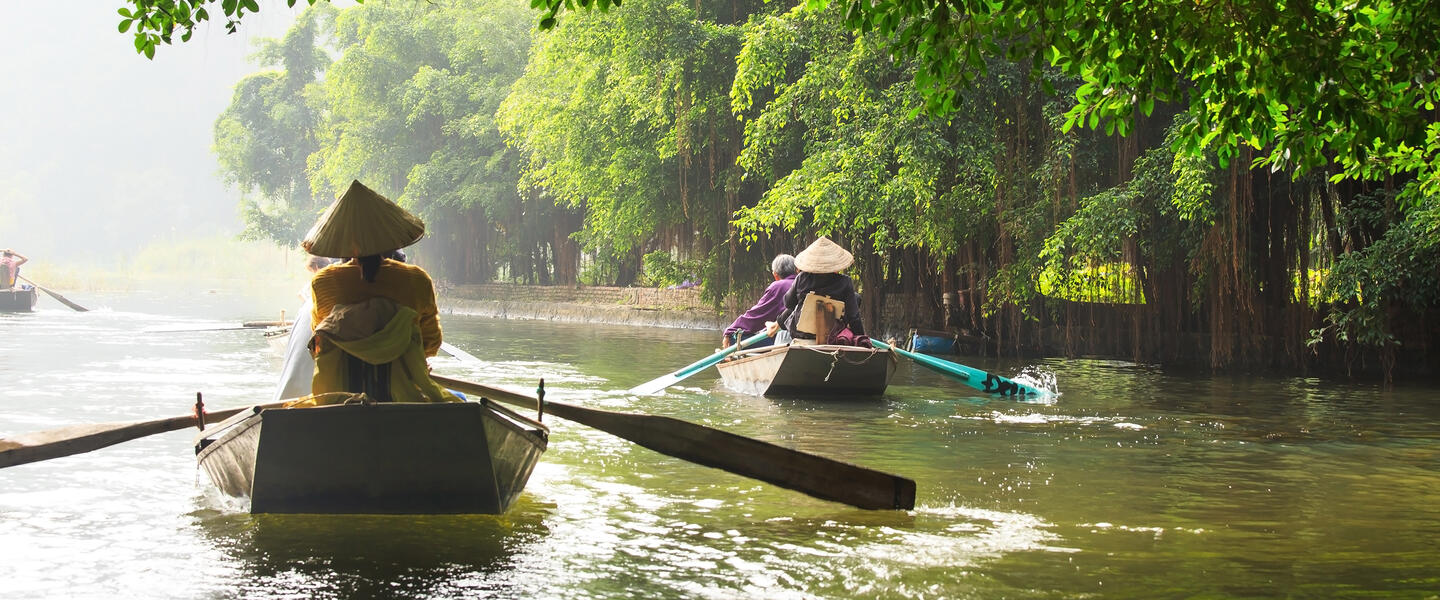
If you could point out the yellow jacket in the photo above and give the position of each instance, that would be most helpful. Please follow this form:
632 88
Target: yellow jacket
406 284
377 331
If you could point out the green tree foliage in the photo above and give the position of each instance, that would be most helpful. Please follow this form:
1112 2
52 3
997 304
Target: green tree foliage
835 128
408 107
626 120
1225 151
156 22
265 136
412 100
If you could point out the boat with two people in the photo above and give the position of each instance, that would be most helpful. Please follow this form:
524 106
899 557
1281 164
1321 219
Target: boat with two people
823 367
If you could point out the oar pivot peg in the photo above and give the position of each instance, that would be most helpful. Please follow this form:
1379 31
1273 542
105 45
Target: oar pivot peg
199 412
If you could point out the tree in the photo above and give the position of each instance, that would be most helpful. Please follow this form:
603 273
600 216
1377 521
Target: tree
625 121
266 135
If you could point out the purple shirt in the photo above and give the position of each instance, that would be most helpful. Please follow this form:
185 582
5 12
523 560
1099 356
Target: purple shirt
766 309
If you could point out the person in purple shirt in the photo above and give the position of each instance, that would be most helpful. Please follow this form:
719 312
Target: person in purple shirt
768 307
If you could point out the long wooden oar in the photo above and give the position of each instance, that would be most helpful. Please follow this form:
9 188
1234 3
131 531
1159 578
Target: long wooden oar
55 443
810 474
674 377
194 329
989 383
62 299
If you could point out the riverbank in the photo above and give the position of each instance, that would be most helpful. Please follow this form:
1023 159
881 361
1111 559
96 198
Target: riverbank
643 307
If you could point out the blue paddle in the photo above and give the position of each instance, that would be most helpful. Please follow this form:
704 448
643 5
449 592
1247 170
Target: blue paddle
975 378
669 379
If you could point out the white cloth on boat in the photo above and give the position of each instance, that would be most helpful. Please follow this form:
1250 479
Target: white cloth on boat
299 366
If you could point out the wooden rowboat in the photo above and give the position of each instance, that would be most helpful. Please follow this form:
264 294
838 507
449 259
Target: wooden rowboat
398 458
17 300
809 370
932 342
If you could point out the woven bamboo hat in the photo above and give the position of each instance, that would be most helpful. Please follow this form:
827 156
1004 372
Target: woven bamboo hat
362 223
823 256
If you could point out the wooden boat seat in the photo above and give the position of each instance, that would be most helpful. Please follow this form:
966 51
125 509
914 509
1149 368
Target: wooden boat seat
818 315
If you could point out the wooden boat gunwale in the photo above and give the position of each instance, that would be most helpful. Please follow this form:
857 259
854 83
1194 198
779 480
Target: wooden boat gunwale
746 359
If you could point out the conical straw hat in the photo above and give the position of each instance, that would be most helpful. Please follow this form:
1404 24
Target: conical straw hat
823 256
362 223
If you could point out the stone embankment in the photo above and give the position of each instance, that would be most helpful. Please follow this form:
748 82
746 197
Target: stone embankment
589 304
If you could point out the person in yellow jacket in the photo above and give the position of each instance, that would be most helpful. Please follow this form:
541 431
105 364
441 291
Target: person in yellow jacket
375 318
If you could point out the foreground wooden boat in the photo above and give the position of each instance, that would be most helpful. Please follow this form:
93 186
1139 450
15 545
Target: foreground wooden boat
17 300
402 458
809 370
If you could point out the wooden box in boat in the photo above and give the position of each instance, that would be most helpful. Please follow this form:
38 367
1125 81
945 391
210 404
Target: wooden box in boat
17 300
405 458
809 370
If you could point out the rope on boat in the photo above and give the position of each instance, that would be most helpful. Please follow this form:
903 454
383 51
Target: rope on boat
838 355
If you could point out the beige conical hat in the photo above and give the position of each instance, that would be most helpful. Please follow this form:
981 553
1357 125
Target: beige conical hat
362 223
823 256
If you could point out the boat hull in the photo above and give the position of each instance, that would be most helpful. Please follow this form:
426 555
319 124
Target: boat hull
17 300
395 458
822 371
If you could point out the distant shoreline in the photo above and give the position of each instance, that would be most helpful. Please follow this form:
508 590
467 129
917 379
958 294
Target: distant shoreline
647 307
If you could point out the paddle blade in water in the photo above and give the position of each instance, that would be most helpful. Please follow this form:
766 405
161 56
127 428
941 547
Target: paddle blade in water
674 377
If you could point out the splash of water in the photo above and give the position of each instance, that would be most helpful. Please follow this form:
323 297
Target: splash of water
1040 379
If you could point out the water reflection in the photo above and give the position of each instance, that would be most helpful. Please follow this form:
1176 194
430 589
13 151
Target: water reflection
376 556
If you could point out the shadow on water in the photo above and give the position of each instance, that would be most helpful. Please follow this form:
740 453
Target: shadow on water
376 556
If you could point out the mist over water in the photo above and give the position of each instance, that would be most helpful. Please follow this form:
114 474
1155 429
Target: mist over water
107 152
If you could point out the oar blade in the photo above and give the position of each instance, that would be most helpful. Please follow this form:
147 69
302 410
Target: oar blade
57 297
810 474
989 383
674 377
654 386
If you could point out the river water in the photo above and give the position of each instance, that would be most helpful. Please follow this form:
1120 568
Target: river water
1134 483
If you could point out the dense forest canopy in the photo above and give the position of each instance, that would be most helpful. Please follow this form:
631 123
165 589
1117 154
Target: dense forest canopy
1252 180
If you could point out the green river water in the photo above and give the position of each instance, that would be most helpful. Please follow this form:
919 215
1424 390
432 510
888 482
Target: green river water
1134 483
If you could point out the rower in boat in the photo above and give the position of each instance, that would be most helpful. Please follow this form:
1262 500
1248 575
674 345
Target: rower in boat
821 349
820 267
375 318
767 308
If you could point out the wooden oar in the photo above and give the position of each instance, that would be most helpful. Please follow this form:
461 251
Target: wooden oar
192 329
54 295
810 474
975 378
674 377
55 443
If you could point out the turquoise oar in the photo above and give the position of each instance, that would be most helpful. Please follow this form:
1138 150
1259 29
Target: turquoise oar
986 382
669 379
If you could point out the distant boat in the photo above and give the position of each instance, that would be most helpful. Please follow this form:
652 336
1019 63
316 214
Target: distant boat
932 342
809 370
277 337
17 300
929 341
387 457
